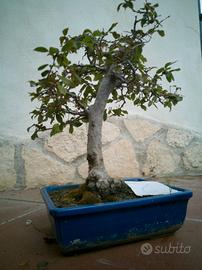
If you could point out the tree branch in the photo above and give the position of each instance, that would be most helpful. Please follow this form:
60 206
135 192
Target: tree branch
82 113
132 66
119 77
93 66
77 101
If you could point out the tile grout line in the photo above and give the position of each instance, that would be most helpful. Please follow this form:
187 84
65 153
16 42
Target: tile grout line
21 200
194 219
19 166
20 216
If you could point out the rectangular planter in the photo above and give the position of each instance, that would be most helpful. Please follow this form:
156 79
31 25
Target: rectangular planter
90 226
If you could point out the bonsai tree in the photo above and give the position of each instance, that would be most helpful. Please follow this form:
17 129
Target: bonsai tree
110 71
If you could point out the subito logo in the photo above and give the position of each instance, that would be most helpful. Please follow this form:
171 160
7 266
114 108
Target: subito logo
146 249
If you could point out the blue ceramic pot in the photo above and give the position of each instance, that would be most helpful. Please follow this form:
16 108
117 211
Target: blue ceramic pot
99 225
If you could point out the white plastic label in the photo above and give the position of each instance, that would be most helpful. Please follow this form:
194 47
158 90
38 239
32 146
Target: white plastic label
146 188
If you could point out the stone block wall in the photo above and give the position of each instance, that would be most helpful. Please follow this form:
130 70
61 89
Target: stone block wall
133 147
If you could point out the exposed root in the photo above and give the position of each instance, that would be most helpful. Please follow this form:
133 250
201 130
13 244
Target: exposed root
99 181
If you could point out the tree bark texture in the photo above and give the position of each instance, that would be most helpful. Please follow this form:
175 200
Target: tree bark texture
97 171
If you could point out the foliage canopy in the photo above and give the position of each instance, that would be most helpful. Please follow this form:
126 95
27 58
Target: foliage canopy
67 87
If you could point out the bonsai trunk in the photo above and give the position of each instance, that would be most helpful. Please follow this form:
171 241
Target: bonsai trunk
97 174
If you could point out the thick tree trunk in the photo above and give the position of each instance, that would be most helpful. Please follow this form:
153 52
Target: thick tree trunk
96 167
97 174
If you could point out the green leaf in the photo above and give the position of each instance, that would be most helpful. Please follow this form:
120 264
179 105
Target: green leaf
33 96
61 89
137 53
151 31
88 41
132 97
126 4
41 49
62 60
114 94
130 4
84 119
97 33
105 115
136 102
44 73
71 128
160 70
143 107
32 83
65 80
87 31
179 98
65 31
112 27
168 64
168 104
42 67
34 135
176 69
76 77
53 50
115 35
55 129
70 46
143 59
124 112
117 112
77 123
62 40
143 21
98 76
161 33
87 91
40 118
169 77
59 118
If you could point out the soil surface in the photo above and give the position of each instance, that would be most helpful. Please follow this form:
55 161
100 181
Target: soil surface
83 195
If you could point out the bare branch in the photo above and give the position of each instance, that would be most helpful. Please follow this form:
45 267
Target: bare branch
135 23
79 113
